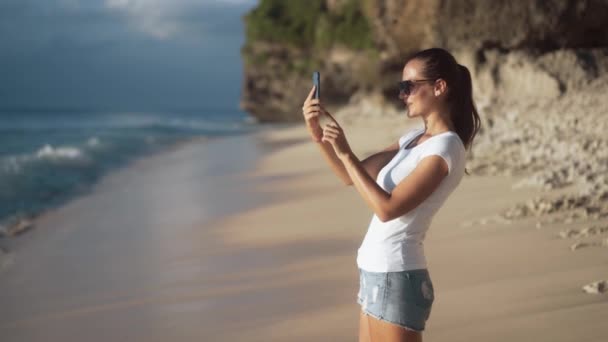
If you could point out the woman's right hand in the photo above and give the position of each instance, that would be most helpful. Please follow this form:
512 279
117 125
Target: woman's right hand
311 111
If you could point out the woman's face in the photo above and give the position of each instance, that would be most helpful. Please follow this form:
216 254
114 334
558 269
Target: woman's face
421 98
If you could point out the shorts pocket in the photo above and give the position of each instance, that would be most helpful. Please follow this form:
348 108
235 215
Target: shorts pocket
421 288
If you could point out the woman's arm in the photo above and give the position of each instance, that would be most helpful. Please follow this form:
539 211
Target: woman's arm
311 110
334 162
372 164
407 195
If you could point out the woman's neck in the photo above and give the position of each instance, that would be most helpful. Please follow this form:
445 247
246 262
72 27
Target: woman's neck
433 128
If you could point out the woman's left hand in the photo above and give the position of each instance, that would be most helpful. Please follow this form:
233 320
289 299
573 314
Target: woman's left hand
333 133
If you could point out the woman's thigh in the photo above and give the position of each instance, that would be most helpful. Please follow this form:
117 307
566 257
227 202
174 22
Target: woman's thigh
388 332
363 327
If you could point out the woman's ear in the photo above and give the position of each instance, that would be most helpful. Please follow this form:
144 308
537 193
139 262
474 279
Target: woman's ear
440 87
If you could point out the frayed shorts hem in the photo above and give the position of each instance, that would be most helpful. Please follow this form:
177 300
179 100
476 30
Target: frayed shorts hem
387 320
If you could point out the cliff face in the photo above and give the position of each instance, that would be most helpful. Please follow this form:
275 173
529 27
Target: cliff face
287 40
480 24
360 45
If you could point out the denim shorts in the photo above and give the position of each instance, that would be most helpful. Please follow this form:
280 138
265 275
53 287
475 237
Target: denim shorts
402 298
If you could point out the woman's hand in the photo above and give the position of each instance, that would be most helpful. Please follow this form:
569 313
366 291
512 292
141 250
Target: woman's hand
333 133
311 111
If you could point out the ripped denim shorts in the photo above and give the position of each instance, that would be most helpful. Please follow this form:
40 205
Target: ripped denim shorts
403 298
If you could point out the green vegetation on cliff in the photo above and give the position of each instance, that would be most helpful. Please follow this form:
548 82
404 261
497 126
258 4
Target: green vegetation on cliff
309 24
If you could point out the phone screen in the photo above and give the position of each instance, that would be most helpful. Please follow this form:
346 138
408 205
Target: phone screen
316 80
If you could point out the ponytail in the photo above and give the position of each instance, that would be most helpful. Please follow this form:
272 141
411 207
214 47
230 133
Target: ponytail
464 114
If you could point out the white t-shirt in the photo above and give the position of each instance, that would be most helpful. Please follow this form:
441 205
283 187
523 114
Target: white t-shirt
397 245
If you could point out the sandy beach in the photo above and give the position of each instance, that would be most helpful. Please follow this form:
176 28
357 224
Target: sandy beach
252 238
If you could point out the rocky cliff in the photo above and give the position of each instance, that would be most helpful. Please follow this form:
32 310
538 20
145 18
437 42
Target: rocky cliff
360 46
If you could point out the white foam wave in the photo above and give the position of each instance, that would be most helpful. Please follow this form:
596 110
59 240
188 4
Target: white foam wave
14 164
49 151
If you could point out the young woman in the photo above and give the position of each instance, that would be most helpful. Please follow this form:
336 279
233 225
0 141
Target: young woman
405 185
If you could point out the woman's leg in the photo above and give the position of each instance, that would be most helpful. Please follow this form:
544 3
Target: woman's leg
387 332
363 327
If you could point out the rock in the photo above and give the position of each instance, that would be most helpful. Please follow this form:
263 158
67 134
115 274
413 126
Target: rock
578 245
496 219
593 230
520 76
568 233
403 26
596 287
274 89
16 226
585 232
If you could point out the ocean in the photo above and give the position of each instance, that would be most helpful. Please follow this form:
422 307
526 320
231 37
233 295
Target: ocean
50 157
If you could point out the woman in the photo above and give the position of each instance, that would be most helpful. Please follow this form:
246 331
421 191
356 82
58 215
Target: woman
413 178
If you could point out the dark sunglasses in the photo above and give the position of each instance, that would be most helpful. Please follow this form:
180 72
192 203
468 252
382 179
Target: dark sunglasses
406 87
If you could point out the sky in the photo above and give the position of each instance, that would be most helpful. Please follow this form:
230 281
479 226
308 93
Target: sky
121 54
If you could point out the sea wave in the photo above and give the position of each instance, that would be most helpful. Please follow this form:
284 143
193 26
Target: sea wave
15 163
49 151
47 159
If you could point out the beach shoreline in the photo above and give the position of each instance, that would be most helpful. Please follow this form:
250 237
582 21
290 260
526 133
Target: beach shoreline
274 256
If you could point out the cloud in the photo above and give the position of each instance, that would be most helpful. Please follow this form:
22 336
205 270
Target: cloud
28 27
166 18
92 53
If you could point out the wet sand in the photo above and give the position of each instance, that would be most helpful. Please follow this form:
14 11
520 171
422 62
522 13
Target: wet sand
239 240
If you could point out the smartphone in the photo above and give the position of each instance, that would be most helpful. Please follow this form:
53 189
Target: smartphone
316 80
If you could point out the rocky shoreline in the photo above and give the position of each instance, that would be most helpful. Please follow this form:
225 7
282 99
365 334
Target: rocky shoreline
552 141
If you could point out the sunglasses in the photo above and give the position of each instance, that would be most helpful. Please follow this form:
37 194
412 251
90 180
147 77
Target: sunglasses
406 87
